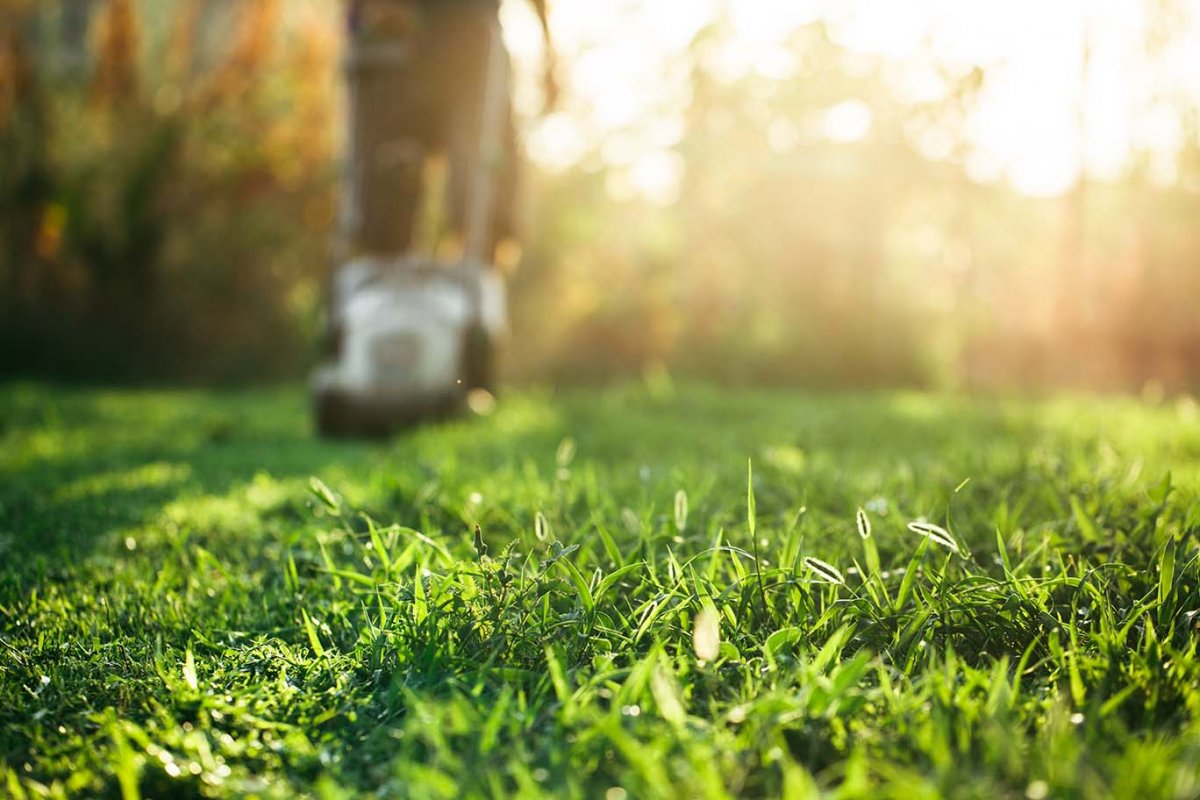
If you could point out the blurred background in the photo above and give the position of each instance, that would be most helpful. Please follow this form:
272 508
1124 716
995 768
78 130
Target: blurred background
861 192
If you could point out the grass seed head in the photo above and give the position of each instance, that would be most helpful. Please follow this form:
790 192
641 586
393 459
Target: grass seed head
824 571
864 524
935 533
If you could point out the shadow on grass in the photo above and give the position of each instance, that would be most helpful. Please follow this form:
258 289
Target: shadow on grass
76 465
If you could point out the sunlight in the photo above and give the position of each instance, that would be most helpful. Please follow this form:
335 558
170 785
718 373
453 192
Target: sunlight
1039 118
848 121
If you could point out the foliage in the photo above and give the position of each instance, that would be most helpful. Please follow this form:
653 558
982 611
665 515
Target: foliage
790 255
167 194
911 596
167 210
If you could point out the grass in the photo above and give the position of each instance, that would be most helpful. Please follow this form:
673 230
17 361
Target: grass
905 596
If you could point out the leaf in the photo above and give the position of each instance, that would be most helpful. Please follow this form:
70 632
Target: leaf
1003 553
380 547
351 575
910 574
15 791
611 579
1166 580
557 553
751 513
581 584
666 696
706 634
782 639
558 678
1160 493
1084 520
324 494
189 670
425 540
125 765
832 648
420 604
541 528
291 575
311 630
610 544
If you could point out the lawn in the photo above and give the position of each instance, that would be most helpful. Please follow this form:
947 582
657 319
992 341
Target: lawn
682 591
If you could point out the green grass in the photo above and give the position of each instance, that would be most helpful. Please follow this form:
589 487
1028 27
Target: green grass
184 612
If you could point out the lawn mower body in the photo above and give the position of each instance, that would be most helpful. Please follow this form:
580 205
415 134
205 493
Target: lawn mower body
413 338
410 336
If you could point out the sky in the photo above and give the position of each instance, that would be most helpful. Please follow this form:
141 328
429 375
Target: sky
623 77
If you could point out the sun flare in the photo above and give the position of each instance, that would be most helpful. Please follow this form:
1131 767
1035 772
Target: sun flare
1067 84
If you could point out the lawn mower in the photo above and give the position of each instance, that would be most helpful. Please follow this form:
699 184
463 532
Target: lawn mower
411 335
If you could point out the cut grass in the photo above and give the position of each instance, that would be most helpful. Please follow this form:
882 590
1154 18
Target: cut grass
910 596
